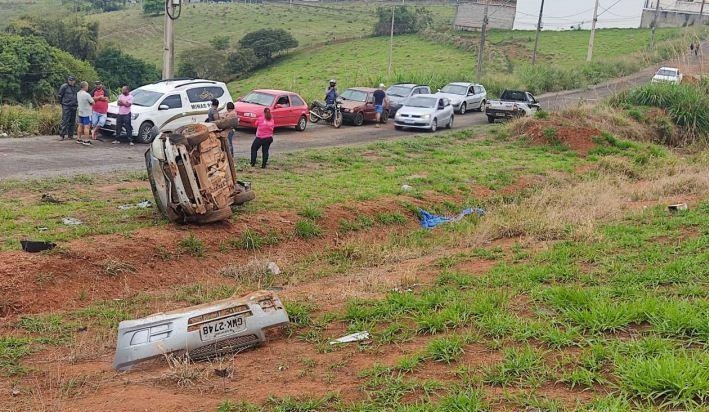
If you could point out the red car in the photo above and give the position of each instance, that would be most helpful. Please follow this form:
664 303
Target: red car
287 108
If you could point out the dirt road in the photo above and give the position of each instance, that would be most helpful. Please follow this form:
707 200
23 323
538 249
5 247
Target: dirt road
45 156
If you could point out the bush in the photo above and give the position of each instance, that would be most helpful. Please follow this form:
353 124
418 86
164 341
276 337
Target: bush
153 7
72 34
241 62
406 20
202 62
25 120
117 69
267 42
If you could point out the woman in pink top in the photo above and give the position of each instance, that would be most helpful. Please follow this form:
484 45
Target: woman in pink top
264 137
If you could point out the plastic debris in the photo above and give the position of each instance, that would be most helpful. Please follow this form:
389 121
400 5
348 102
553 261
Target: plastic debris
49 198
42 228
429 221
34 246
273 268
140 205
70 221
406 188
354 337
677 207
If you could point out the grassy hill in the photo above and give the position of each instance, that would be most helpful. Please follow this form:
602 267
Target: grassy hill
141 36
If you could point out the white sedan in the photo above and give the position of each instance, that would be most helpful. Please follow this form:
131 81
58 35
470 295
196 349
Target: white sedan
424 111
668 75
464 96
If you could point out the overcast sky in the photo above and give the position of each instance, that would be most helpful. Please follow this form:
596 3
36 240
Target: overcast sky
560 14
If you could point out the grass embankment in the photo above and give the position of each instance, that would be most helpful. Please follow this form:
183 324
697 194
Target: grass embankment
577 289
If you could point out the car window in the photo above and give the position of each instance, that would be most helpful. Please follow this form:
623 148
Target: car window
174 101
356 95
453 89
398 91
145 98
204 93
421 101
472 90
261 99
283 101
297 101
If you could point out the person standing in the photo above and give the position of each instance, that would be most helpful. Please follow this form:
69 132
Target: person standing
230 113
84 101
379 98
99 109
213 113
67 99
264 137
125 101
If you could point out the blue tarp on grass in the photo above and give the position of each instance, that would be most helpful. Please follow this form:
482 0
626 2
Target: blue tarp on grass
430 221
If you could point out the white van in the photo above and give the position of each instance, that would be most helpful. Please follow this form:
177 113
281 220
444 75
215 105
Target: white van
169 104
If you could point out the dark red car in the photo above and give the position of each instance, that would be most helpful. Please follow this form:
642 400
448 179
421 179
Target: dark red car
358 106
287 108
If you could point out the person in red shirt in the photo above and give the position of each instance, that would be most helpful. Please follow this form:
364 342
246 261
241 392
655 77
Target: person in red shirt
264 137
99 109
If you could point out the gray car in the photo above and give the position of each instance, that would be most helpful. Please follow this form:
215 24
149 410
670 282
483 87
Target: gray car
398 93
424 111
465 96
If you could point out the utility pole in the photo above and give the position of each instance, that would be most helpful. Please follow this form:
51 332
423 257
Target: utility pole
589 56
654 24
539 29
168 57
701 11
483 32
391 40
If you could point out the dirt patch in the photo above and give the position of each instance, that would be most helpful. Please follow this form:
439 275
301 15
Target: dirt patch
553 132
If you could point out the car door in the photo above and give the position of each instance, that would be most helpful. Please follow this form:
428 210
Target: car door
282 111
369 112
171 113
298 107
447 110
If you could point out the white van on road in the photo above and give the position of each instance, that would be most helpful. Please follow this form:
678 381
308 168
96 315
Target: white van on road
169 104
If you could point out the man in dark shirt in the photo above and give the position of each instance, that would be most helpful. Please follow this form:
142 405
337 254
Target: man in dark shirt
68 101
379 98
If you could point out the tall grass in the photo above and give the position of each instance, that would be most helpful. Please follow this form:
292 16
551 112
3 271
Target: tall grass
27 120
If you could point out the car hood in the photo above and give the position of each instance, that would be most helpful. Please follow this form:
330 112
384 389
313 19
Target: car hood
396 99
420 111
451 96
113 108
242 107
351 104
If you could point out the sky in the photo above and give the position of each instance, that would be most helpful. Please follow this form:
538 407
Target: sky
561 14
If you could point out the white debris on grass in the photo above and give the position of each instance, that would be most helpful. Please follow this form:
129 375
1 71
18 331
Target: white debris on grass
353 337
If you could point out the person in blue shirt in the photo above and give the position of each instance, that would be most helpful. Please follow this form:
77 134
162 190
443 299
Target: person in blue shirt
331 93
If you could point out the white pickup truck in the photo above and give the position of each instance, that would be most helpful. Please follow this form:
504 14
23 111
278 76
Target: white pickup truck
512 103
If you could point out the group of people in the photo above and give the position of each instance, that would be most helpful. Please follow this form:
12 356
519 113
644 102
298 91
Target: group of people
92 110
379 98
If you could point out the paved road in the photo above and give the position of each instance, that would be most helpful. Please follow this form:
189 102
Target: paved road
45 156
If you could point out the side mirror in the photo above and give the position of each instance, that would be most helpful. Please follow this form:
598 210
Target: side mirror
163 107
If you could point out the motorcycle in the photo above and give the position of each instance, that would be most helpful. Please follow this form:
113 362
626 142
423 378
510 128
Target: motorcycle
332 114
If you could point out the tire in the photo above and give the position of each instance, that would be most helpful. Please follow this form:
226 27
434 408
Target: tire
463 108
434 125
314 119
482 105
302 123
491 119
384 117
144 132
399 127
358 119
450 123
337 122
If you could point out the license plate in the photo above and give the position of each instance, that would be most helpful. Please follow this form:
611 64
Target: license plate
222 327
409 121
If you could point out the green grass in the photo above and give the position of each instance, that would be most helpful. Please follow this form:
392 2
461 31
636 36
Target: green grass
11 351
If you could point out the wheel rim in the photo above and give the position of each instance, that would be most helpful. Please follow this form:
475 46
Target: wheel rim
359 119
302 123
145 135
434 125
462 108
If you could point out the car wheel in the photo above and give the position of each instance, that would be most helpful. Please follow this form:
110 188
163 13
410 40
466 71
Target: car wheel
491 119
482 105
384 117
337 122
145 132
434 125
358 119
302 123
463 108
450 123
399 127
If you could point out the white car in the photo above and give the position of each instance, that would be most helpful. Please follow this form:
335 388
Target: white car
667 75
464 96
169 104
424 111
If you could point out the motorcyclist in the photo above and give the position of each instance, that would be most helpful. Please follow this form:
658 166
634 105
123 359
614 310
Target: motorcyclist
331 93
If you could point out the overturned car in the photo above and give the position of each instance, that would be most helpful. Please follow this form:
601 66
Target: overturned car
191 172
201 332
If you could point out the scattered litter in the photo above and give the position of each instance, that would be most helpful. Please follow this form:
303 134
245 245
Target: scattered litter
430 221
3 134
406 188
70 221
34 246
48 198
140 205
273 268
354 337
82 329
42 228
15 391
677 207
405 289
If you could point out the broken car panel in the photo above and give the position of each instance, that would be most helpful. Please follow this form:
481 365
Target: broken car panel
200 332
191 173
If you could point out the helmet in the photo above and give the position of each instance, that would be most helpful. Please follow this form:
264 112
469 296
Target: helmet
333 82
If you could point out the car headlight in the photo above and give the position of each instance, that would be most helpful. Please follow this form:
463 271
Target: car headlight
134 116
426 116
249 114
